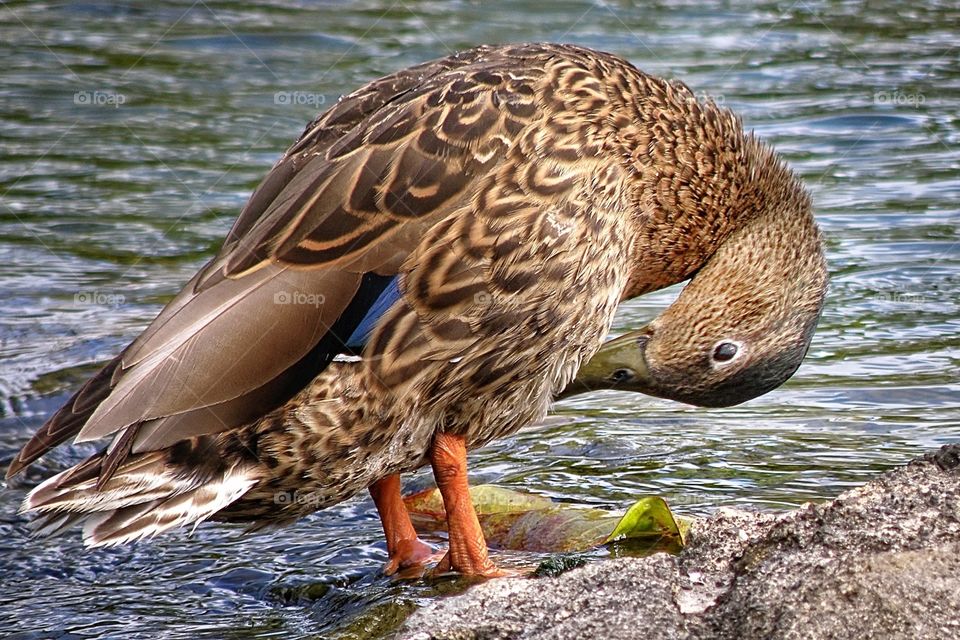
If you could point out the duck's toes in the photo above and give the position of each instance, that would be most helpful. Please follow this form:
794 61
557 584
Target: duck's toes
463 564
412 553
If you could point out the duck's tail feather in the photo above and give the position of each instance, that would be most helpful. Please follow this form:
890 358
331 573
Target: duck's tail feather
69 419
148 495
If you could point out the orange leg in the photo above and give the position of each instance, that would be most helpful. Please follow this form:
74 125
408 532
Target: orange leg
468 548
403 545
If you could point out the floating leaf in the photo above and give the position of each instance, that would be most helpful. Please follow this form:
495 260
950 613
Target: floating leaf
649 517
524 522
427 505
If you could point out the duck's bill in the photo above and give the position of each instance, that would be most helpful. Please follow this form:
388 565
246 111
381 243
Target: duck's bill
620 364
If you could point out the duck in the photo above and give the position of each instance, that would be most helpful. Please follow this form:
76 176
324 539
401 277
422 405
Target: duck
426 269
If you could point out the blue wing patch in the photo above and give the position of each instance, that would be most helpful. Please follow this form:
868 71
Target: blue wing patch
387 298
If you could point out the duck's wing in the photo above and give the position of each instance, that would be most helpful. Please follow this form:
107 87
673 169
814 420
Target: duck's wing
315 248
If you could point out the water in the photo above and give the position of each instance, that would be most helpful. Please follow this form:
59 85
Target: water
132 136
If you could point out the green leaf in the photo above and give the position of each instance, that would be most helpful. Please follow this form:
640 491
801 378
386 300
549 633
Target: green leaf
524 522
649 517
427 505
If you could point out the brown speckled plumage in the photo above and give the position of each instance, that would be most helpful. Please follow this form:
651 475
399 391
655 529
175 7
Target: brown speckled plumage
519 193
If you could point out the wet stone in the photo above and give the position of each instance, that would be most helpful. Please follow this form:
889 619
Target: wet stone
880 561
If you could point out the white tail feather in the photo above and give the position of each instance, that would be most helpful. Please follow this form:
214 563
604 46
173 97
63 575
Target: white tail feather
145 497
54 524
145 521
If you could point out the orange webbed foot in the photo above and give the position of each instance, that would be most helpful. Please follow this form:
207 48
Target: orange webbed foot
410 554
468 548
470 567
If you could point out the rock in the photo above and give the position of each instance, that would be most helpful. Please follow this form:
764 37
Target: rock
880 561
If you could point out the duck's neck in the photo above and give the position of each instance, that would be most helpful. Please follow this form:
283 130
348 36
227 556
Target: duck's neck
699 178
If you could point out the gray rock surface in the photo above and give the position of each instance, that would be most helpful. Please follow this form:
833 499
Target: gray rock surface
880 561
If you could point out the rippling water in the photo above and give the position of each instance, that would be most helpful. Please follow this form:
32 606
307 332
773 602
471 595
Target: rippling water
132 136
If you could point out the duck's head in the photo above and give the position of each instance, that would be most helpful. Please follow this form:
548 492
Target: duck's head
718 207
739 328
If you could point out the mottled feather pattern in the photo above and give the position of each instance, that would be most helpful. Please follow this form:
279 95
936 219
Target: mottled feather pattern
153 492
517 193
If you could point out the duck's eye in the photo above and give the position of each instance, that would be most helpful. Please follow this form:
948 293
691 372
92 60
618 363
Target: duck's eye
622 375
724 352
